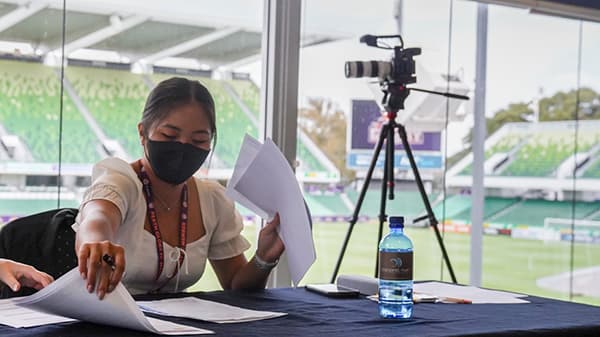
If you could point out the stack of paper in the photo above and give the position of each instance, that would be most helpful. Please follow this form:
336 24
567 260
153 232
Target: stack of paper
264 182
68 297
19 317
473 294
195 308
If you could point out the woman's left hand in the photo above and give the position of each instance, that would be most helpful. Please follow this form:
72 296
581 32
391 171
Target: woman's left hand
270 245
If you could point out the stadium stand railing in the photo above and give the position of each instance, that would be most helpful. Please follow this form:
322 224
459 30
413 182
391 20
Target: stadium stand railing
249 93
115 99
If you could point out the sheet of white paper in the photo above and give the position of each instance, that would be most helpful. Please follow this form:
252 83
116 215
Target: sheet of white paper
195 308
270 184
248 151
475 294
19 317
68 297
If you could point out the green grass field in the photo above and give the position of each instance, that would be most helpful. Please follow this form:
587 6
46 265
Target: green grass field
508 264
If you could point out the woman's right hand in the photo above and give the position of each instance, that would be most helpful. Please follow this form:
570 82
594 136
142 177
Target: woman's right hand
99 274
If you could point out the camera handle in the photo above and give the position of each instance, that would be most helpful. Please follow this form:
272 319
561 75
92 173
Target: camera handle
393 100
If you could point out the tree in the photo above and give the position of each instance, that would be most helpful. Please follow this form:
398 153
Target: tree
561 106
325 124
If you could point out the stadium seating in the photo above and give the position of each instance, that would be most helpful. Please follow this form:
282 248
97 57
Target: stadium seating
326 205
544 151
406 203
593 171
22 207
308 160
115 99
453 205
492 206
533 212
504 145
30 109
249 94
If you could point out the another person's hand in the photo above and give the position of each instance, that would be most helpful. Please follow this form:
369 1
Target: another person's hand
270 245
16 275
98 273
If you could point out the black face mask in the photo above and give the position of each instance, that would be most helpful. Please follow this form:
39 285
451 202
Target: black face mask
175 162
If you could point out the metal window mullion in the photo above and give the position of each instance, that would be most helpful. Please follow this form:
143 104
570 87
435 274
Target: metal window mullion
279 94
479 133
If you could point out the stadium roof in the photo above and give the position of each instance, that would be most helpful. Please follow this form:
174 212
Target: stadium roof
199 34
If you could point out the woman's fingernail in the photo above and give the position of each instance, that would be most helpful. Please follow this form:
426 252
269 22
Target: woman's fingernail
15 287
90 288
83 275
101 294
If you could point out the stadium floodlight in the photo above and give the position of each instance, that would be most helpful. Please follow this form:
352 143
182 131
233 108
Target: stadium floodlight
393 77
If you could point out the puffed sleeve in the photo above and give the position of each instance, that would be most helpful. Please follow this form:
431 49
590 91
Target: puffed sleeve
112 180
226 240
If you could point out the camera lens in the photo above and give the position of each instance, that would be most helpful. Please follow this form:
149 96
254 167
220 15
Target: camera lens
354 69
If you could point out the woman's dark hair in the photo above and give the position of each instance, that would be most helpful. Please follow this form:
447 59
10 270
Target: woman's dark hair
172 93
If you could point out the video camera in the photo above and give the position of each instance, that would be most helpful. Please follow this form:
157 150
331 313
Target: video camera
400 70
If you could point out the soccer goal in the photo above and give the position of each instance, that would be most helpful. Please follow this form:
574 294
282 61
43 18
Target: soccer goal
563 229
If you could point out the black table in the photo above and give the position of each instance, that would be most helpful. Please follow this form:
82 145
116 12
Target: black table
311 314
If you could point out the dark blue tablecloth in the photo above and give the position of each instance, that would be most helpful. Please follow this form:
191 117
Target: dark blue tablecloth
311 314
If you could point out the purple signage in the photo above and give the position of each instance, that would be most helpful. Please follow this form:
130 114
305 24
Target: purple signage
367 121
4 219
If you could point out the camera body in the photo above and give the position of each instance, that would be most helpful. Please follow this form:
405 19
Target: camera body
399 70
403 65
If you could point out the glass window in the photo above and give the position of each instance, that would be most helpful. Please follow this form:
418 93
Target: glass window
538 137
60 115
540 209
344 118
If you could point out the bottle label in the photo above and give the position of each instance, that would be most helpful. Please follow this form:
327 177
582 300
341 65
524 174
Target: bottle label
396 266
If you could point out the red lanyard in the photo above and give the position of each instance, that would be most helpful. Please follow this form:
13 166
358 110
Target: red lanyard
183 219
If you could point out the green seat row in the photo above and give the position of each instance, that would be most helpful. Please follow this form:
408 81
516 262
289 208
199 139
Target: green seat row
115 99
22 207
504 145
248 93
30 109
545 151
533 212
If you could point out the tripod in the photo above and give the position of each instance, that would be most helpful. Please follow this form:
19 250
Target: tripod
393 100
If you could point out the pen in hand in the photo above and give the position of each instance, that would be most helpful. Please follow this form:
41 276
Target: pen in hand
109 260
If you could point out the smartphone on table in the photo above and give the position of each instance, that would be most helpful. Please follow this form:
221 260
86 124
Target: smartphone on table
332 290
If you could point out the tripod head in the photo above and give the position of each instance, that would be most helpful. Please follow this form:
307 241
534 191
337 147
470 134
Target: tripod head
393 75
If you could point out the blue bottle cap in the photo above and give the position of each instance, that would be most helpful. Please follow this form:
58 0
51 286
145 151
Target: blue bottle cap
396 222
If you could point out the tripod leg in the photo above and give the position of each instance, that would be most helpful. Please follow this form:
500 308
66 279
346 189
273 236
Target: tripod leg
359 201
382 216
386 183
431 216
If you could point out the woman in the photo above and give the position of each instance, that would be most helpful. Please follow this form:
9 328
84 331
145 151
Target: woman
15 275
154 217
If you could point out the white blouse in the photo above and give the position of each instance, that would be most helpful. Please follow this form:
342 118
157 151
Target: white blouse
115 180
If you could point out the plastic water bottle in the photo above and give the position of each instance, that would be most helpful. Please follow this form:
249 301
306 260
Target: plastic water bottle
396 272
